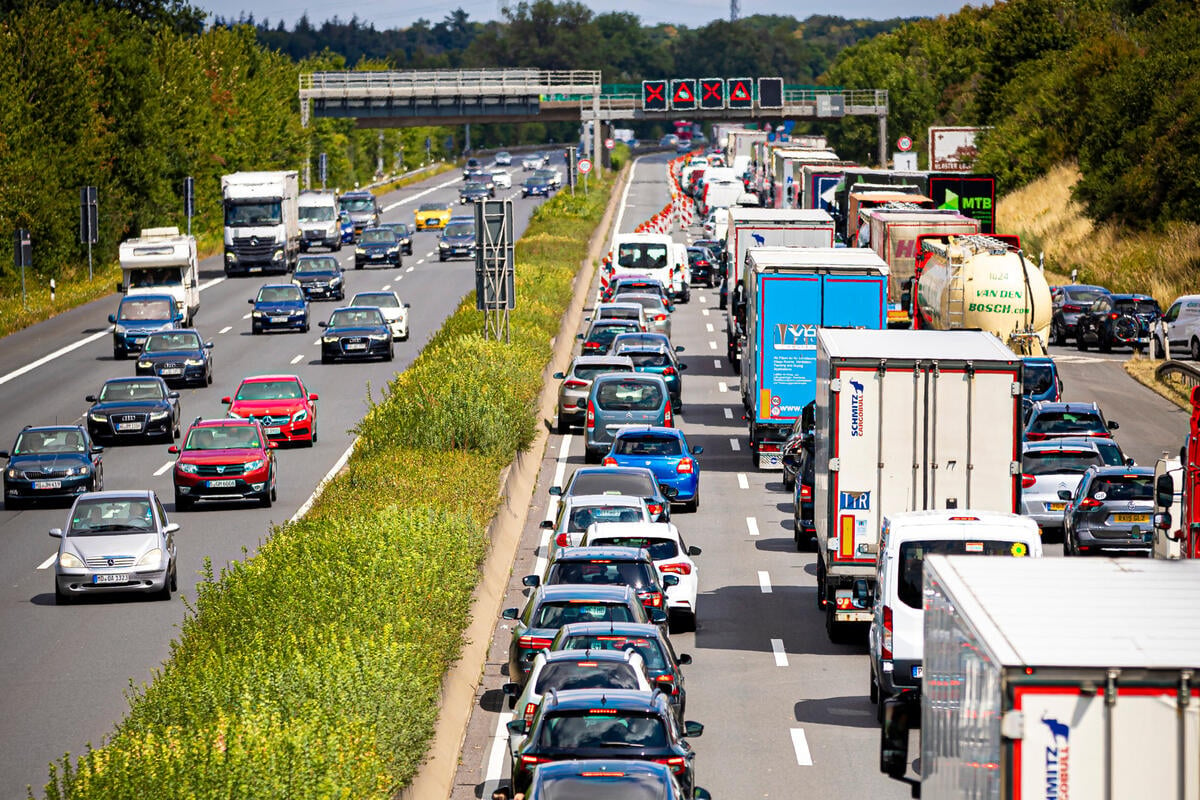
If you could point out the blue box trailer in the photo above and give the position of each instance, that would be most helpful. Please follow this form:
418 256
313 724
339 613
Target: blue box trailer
789 293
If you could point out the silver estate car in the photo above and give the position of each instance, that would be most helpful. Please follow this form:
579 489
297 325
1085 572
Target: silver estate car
1112 509
1057 465
621 310
658 314
617 400
577 382
115 542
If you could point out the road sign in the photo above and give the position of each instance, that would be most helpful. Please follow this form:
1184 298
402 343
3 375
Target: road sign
904 143
712 92
770 92
683 94
88 211
654 95
609 144
584 166
741 92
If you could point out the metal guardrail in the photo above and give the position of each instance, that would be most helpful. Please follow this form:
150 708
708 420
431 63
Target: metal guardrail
1187 374
367 83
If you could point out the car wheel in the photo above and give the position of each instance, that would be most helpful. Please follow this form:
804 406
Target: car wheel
165 592
692 505
267 498
1194 347
1159 350
1059 335
441 258
182 503
255 330
591 457
118 355
326 359
559 426
391 354
209 378
13 504
357 265
1067 543
174 578
62 598
314 433
305 328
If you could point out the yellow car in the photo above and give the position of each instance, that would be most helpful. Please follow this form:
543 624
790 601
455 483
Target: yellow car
432 215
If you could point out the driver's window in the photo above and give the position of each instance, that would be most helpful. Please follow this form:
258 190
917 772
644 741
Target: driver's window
1172 312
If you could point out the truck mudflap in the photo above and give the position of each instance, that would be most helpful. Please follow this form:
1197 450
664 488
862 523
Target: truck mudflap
770 455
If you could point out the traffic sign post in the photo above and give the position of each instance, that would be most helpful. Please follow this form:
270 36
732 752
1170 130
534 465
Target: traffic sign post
89 221
712 93
770 92
495 287
654 95
740 94
189 200
683 94
904 144
572 155
322 168
22 256
585 166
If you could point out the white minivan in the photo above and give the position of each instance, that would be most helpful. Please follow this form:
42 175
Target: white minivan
1179 329
651 254
897 635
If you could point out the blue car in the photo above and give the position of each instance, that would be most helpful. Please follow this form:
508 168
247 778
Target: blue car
458 239
180 356
346 226
279 307
1040 381
665 452
535 186
137 317
51 463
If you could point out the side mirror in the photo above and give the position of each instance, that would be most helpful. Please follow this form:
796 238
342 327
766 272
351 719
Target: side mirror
171 527
172 395
658 616
700 793
97 448
547 525
555 491
408 305
678 348
4 454
120 287
1113 425
226 400
531 580
1129 462
112 318
1164 491
272 445
694 551
682 367
208 345
863 595
91 398
1163 523
696 451
517 727
558 376
173 449
1064 494
692 729
898 713
579 336
509 613
511 689
56 533
684 659
322 324
670 580
250 301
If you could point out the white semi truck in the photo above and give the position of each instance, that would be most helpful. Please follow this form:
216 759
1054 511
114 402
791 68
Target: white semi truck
1054 679
162 261
262 221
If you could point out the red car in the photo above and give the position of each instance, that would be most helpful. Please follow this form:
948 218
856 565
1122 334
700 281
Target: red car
280 403
224 459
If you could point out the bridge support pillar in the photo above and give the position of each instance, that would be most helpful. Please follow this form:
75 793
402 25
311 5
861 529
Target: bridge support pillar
883 142
596 128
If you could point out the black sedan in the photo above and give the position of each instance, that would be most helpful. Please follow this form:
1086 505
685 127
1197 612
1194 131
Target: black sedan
474 190
404 234
378 246
356 332
1119 320
133 408
536 186
177 356
320 278
51 463
702 266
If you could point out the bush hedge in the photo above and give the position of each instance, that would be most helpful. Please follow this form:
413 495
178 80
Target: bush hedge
313 668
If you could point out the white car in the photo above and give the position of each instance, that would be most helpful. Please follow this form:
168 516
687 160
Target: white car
502 178
395 311
1177 334
503 158
669 554
532 161
576 513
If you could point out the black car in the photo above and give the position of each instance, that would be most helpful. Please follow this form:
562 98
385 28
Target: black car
536 186
1067 303
177 356
474 190
377 246
473 165
607 566
1119 320
593 723
458 239
608 779
133 408
601 333
1112 509
404 234
55 462
356 332
320 278
703 266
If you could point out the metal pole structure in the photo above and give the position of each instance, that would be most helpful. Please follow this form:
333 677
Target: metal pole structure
595 132
467 137
883 143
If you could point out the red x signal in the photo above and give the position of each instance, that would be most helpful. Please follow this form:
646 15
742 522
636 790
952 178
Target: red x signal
654 95
712 93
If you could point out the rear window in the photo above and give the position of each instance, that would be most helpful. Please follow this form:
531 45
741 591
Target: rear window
1138 307
602 727
619 313
659 549
581 518
604 334
604 482
649 359
586 372
629 395
601 573
1059 462
648 303
912 561
649 649
562 675
1067 422
1038 378
1122 487
626 785
1110 451
555 615
1084 295
647 446
642 255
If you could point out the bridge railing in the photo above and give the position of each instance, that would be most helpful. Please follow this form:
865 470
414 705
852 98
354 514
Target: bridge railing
448 82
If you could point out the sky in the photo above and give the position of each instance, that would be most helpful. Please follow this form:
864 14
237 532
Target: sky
692 13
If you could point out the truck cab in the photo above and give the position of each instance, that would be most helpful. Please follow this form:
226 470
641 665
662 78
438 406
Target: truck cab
162 261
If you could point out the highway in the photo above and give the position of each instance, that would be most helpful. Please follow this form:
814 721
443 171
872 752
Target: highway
785 711
64 671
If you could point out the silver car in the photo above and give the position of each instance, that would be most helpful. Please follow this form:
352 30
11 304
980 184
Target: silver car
1058 465
621 310
658 314
577 512
115 542
1112 509
617 400
577 382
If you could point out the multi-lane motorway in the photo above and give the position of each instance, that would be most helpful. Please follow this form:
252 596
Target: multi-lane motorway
786 712
64 671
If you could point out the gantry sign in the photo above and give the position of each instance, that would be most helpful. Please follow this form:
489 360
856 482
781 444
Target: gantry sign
690 94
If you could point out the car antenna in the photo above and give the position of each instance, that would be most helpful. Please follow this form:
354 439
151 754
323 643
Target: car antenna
604 699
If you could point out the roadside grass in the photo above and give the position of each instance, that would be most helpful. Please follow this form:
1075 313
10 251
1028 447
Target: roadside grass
1141 369
313 668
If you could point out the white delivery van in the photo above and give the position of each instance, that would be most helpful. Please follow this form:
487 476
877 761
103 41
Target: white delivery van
681 273
897 634
647 254
319 223
722 188
162 261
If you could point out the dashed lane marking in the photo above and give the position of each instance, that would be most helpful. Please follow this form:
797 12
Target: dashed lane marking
742 482
752 525
226 329
764 581
781 659
298 359
800 744
734 445
729 413
158 473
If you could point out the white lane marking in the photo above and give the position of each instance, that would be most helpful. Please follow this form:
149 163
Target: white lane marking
334 470
708 326
245 316
624 200
316 342
410 269
764 581
226 329
386 287
560 473
62 351
717 363
418 195
734 445
210 284
704 311
742 482
162 470
703 299
46 564
729 413
722 386
298 359
751 523
498 754
800 744
712 345
419 261
429 255
780 654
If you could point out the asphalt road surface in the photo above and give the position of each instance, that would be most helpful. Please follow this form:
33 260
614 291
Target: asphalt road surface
785 711
64 671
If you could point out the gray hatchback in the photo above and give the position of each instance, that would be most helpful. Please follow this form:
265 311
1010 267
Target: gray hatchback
1111 510
577 383
619 399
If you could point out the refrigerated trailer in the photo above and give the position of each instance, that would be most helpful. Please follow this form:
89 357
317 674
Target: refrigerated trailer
1054 679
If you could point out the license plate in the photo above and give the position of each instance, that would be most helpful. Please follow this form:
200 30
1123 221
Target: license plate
917 672
769 461
224 483
110 578
376 255
271 430
129 426
172 371
356 347
1131 517
256 269
1055 506
47 484
279 319
853 616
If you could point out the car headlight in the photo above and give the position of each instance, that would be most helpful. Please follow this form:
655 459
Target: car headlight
329 339
84 470
360 251
96 417
152 558
393 250
257 314
233 414
300 415
13 473
380 337
194 362
443 244
277 255
158 416
118 328
230 255
335 282
190 469
70 561
145 364
257 464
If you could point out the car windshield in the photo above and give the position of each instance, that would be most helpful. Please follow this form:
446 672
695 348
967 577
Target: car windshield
269 390
137 310
613 482
628 395
696 254
1067 422
223 437
604 334
379 299
316 213
432 207
378 236
1122 487
356 204
400 228
642 445
642 255
562 675
116 391
1038 378
474 186
649 649
1085 295
648 359
557 614
101 517
602 727
460 229
1059 462
659 549
253 213
64 440
909 584
601 572
355 317
582 517
170 342
280 294
317 268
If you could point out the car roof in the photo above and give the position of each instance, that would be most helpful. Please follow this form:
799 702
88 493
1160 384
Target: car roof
1064 443
612 470
134 379
1038 360
646 630
609 377
617 304
52 428
658 430
1047 405
627 699
1132 296
663 530
1118 470
604 499
602 360
587 655
607 552
602 593
1072 286
116 494
645 348
357 193
131 297
319 257
265 378
557 770
224 422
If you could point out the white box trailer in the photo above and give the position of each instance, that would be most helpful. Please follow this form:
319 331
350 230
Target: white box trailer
906 421
1052 678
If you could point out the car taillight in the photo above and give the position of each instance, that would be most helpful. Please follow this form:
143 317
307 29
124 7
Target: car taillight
654 508
678 569
768 448
668 371
530 709
591 415
592 345
805 492
1089 504
886 645
575 383
1027 481
608 461
668 417
1034 437
534 643
533 761
1114 315
1072 307
660 317
677 763
561 540
685 466
652 599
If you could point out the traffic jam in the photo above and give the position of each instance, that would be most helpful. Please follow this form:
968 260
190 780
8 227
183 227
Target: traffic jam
895 382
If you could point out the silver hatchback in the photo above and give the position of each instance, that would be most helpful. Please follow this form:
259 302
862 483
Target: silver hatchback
577 383
658 313
1111 510
615 400
115 542
1058 465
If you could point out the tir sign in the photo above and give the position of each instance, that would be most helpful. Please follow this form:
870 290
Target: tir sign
712 92
683 94
654 95
740 94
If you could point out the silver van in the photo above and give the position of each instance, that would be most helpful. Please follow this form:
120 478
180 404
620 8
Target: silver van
619 399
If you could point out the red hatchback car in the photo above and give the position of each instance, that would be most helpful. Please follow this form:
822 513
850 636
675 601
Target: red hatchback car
280 403
224 459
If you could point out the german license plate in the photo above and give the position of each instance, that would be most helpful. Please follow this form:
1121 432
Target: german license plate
279 319
129 426
272 430
356 347
172 371
1055 506
376 255
256 269
917 672
1131 517
223 483
110 577
47 484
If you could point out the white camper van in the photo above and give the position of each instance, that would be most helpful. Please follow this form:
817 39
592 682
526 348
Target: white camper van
162 261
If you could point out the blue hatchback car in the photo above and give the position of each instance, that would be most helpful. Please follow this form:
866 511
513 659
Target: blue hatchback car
137 317
279 307
665 452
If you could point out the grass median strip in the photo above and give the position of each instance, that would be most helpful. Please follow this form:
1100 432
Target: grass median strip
313 668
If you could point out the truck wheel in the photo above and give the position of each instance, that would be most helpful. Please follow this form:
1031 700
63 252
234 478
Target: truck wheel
820 584
833 629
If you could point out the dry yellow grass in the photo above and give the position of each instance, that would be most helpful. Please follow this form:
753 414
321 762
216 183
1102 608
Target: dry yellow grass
1164 264
1141 369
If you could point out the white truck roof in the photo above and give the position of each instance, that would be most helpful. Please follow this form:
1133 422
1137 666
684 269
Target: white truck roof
157 247
848 258
911 345
804 216
1053 612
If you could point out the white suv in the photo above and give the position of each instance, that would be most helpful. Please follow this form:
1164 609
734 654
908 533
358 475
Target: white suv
1179 329
670 555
